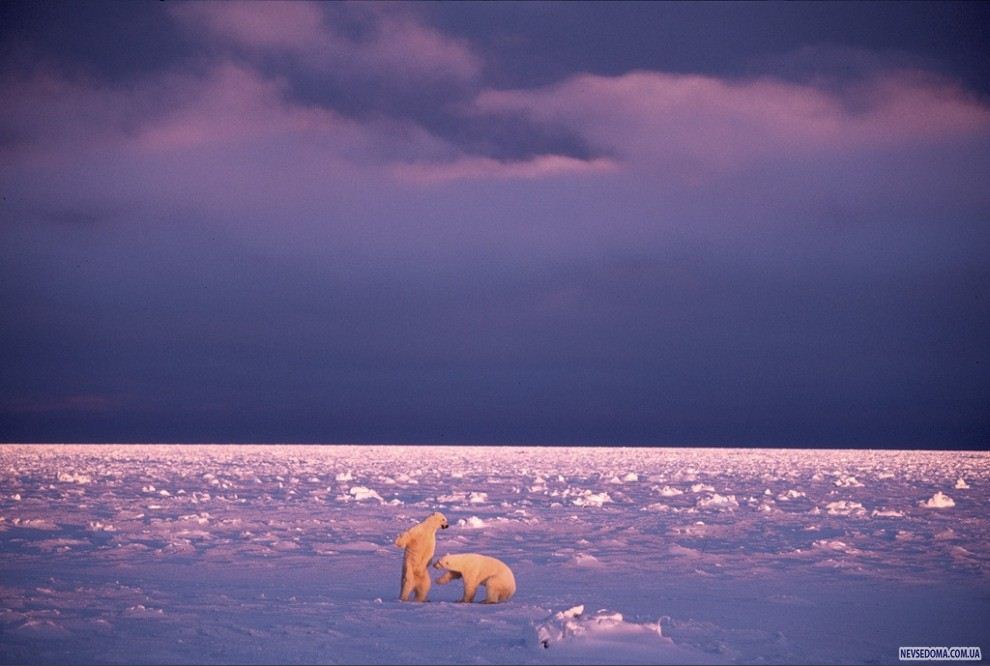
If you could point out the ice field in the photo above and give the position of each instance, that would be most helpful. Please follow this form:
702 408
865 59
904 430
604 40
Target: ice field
284 554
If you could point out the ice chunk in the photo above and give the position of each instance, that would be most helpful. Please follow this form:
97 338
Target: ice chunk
472 497
887 513
961 484
670 491
585 560
718 502
34 523
202 518
43 629
140 610
835 544
597 630
361 493
702 488
588 498
71 477
58 545
845 481
344 476
844 508
472 523
938 501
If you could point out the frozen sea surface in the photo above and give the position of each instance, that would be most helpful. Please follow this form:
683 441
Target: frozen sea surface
283 554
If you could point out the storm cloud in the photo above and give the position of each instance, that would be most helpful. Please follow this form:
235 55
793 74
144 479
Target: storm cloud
309 222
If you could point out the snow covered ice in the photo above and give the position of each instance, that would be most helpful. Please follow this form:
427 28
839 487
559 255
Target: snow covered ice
283 554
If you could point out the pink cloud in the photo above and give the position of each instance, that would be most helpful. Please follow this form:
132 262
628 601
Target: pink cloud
56 120
403 45
232 104
50 117
234 126
485 168
397 46
700 122
272 25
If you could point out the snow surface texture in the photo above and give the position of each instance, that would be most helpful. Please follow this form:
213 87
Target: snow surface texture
283 554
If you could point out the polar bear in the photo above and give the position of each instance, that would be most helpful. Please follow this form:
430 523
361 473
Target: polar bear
477 570
420 542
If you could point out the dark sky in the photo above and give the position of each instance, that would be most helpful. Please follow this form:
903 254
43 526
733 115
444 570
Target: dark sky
648 223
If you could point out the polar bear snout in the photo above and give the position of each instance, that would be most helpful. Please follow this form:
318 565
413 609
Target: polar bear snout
444 526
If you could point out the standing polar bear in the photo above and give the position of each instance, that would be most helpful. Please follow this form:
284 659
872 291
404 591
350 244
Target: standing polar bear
420 542
477 570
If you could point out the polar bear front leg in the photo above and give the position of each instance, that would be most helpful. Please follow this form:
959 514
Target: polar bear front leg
447 577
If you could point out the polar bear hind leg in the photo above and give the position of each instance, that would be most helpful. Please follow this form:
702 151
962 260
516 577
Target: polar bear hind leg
408 584
422 585
498 589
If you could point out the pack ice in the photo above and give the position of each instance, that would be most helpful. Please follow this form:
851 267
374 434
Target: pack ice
284 554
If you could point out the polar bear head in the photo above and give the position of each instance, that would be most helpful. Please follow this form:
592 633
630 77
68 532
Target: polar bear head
425 529
437 520
443 563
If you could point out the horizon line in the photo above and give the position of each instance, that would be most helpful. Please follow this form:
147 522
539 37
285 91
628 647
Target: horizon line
500 445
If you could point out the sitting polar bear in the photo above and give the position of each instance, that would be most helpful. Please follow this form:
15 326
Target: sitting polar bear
420 542
477 570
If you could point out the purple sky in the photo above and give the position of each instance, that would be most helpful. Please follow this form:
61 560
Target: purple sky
743 224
